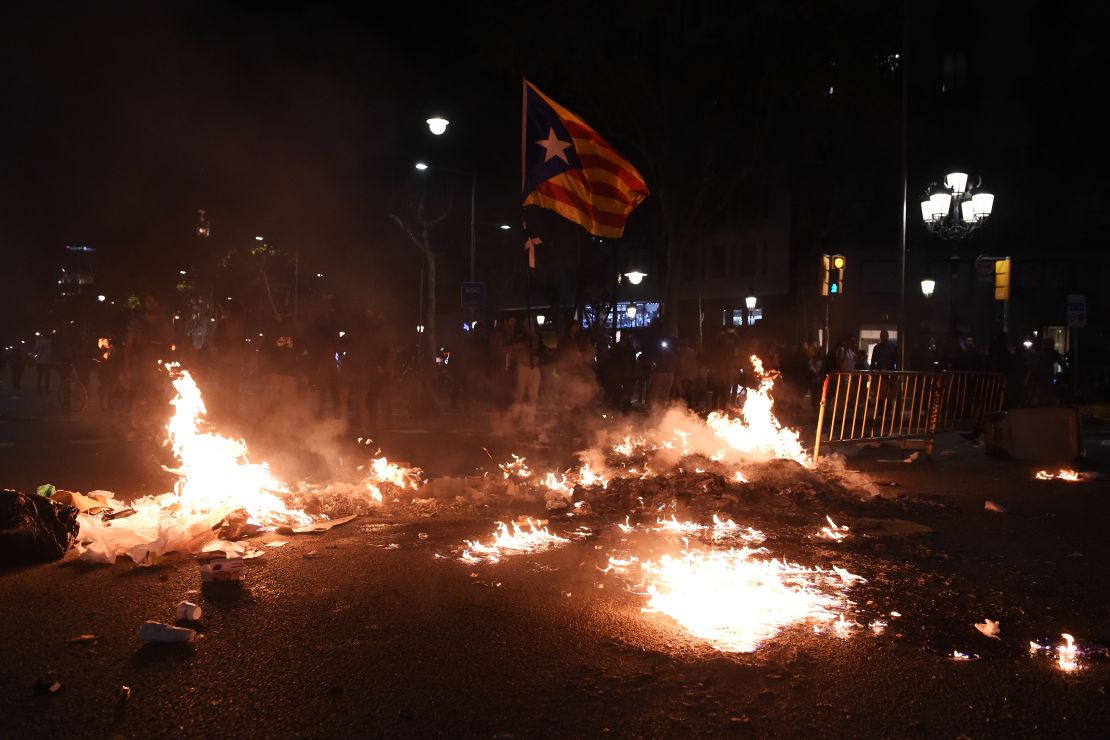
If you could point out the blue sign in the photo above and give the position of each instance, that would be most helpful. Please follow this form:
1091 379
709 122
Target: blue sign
472 295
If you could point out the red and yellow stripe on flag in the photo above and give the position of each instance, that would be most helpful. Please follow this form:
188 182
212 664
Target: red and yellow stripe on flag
570 169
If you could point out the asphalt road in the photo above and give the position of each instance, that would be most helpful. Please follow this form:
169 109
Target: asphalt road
372 629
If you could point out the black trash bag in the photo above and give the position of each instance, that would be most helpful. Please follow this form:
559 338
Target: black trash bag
35 528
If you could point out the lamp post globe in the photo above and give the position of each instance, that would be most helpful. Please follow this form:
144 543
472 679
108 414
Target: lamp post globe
437 125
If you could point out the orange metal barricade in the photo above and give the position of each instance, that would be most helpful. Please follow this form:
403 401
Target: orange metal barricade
874 405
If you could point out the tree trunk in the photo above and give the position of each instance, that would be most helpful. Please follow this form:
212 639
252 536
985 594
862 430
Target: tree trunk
430 327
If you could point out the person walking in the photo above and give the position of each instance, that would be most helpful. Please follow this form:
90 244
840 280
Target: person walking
44 363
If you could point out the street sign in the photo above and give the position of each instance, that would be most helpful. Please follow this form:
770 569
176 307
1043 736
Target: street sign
472 295
1077 311
984 268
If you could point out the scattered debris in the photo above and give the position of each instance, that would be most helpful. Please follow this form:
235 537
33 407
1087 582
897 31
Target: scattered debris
989 628
218 567
47 686
188 611
277 543
323 525
996 508
83 640
158 632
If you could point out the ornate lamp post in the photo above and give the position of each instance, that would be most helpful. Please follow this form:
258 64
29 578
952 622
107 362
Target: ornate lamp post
953 211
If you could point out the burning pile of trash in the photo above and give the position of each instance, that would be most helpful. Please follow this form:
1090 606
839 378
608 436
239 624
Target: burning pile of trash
219 495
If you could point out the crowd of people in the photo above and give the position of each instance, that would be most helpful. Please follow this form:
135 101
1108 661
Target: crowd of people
355 369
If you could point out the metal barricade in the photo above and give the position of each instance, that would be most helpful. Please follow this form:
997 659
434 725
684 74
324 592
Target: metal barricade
874 405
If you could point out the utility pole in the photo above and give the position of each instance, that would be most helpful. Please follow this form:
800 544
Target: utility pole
905 183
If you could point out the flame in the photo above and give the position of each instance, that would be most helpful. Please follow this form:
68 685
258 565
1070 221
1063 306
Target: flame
1067 655
736 602
516 469
214 479
757 431
587 477
532 537
629 445
1071 476
833 532
214 473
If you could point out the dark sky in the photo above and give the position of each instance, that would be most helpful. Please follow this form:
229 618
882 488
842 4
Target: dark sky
294 120
301 120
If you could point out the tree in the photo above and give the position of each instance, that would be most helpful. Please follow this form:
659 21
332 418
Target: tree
416 226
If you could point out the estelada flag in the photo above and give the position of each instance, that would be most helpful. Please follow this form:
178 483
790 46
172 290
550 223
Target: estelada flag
570 169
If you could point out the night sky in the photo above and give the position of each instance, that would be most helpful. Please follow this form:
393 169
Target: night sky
301 121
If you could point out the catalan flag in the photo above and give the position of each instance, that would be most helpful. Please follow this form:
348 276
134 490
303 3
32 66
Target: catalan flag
570 169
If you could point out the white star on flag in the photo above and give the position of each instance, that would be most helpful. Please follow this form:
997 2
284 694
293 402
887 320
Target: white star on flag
553 147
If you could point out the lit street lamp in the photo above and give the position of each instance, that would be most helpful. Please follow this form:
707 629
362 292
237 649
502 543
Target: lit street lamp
927 287
540 319
635 276
505 227
437 125
749 304
630 312
421 166
953 210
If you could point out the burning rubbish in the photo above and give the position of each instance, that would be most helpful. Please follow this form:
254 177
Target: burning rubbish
832 531
512 539
1065 474
714 578
736 601
1065 655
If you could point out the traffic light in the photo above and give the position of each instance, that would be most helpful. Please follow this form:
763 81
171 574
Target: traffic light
826 263
1002 279
836 274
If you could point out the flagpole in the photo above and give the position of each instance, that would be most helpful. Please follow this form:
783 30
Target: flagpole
530 260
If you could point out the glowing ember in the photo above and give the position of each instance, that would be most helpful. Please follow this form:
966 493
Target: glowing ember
512 539
735 601
833 532
757 431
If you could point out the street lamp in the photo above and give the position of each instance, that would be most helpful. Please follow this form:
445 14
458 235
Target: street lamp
437 125
101 298
630 312
258 238
750 302
927 287
953 210
421 166
505 227
635 276
540 319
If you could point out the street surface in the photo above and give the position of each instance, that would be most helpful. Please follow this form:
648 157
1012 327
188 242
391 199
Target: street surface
376 628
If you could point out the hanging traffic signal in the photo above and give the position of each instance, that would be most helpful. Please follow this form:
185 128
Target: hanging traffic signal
1002 279
826 264
836 274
